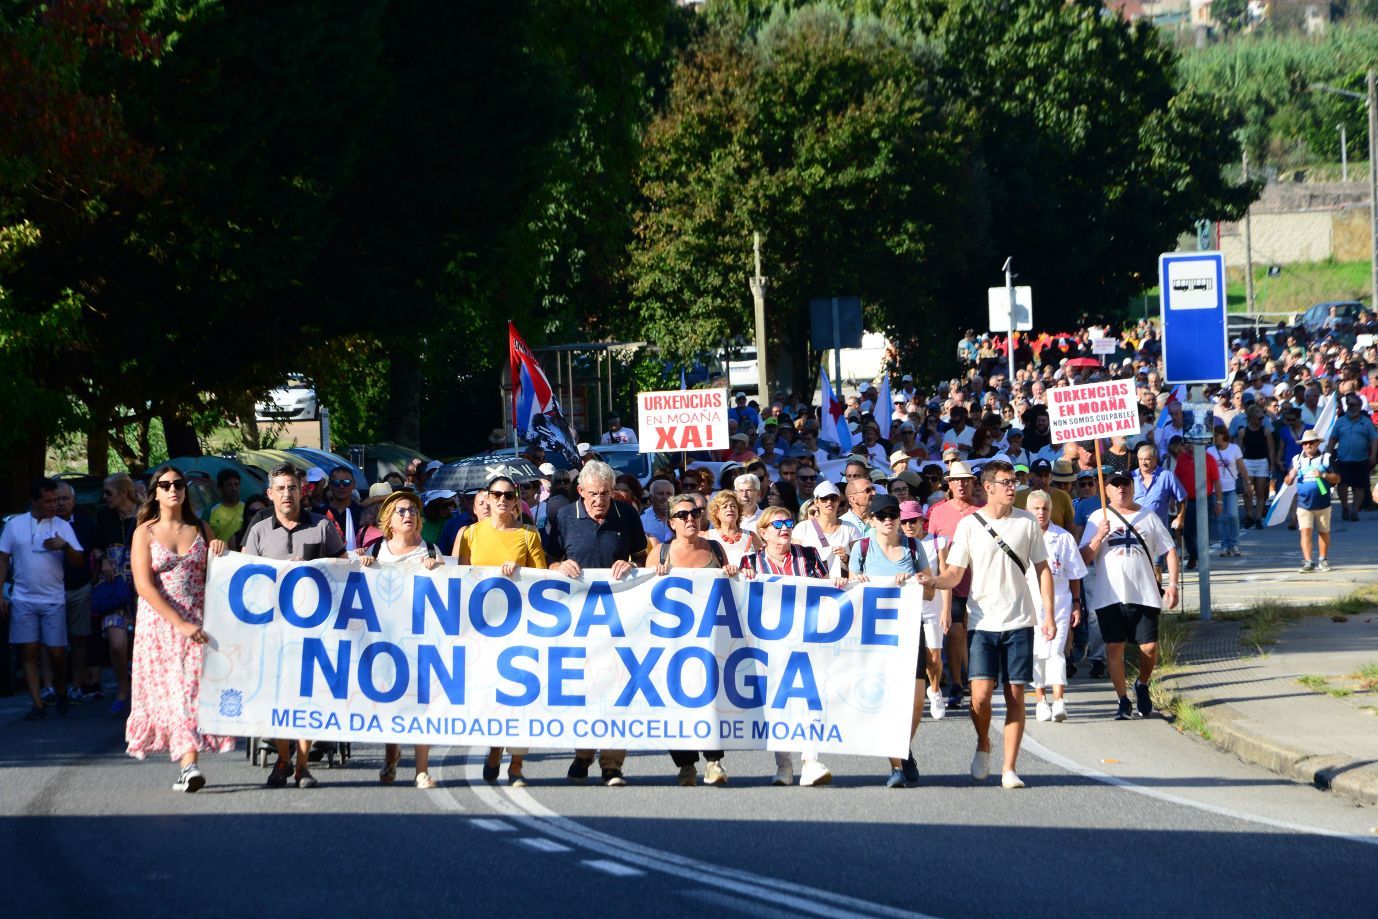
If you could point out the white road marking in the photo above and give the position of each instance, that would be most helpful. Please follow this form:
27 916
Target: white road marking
517 805
616 869
541 844
1057 759
736 904
493 826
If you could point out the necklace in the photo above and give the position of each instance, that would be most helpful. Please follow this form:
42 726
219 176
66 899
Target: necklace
731 540
780 566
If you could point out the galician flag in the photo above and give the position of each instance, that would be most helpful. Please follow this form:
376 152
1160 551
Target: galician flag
1325 418
536 414
884 409
834 418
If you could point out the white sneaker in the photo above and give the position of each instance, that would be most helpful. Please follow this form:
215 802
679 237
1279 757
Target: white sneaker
1044 711
814 773
1011 779
784 774
980 765
937 705
1059 710
190 780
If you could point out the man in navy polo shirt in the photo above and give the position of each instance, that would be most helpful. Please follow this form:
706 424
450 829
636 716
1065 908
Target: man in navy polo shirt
597 532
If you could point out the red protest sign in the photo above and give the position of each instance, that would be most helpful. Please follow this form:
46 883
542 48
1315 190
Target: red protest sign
1093 410
682 419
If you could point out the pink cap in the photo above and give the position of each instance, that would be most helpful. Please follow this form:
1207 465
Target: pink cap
910 509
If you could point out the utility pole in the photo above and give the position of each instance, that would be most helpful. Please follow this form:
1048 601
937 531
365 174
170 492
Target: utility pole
1371 103
1009 334
758 293
1373 183
1344 155
1248 244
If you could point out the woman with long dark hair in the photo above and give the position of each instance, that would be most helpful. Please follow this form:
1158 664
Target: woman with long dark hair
168 559
502 540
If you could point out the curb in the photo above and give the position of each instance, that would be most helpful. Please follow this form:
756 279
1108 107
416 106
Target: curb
1354 779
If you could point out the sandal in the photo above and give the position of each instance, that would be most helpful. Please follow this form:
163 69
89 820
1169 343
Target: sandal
424 781
516 779
388 774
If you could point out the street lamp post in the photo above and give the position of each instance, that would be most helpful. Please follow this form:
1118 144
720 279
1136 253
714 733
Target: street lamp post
1371 103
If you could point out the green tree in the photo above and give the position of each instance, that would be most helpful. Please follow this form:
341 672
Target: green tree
1232 15
822 133
1093 158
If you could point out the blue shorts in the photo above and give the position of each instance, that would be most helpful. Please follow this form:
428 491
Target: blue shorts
1006 655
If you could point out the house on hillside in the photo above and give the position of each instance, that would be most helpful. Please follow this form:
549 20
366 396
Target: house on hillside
1159 12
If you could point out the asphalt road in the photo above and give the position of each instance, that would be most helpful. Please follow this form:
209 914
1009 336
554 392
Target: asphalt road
1131 819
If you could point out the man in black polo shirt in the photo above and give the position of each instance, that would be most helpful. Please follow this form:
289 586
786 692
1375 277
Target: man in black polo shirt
597 532
292 533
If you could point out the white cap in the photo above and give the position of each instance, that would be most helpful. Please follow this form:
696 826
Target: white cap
546 469
739 395
584 449
824 489
437 495
315 474
906 379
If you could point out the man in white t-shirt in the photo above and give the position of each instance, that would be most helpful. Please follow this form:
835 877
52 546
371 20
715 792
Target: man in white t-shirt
1001 543
38 542
1123 542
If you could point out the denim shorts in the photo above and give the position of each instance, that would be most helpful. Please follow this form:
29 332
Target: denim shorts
1007 655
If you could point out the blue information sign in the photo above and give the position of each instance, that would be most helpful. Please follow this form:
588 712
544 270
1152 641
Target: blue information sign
1192 285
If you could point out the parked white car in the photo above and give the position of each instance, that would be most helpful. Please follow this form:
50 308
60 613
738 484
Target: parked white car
294 400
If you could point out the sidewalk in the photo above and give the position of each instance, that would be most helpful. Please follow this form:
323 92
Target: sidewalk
1253 704
1268 568
1256 707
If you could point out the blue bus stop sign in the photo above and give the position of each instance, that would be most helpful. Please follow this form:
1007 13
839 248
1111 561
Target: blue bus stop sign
1192 289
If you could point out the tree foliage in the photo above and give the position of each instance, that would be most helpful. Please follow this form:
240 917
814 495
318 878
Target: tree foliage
820 132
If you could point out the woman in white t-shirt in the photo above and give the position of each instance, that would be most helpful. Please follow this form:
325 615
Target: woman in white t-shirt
400 519
827 532
1233 475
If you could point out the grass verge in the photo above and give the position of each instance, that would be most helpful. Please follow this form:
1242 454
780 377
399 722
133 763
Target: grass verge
1260 627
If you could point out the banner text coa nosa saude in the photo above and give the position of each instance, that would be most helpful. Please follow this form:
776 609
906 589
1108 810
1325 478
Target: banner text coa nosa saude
332 651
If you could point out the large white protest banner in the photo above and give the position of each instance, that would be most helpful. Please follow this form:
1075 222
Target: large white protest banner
682 419
1093 410
330 650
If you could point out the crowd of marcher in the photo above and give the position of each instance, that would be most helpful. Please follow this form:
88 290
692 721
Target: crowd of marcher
1025 568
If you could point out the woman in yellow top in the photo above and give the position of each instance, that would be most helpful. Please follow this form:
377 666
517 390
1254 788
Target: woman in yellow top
504 541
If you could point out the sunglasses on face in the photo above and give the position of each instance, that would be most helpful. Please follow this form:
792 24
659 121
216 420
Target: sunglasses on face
887 515
502 495
169 485
341 483
406 511
782 524
807 478
559 481
694 514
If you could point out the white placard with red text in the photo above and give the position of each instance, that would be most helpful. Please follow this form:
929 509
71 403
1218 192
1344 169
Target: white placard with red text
682 419
1093 410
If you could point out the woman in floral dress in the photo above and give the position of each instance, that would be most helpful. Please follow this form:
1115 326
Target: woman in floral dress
168 557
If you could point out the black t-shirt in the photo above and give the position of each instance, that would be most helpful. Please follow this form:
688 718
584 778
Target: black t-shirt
74 576
114 537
